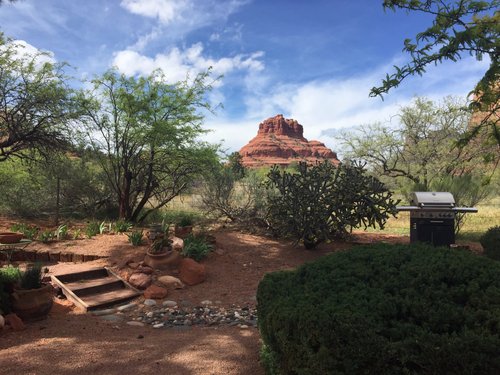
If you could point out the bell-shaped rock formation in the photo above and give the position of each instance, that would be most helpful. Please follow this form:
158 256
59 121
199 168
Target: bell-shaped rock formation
281 141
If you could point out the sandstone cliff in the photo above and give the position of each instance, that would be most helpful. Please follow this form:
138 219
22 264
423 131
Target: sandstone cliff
281 141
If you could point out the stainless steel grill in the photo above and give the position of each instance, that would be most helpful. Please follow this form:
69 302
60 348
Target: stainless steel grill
432 217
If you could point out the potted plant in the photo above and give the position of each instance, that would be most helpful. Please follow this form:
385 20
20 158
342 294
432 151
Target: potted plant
32 299
160 247
184 226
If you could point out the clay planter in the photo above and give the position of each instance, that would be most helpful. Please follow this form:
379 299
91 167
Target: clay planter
183 232
163 260
33 304
10 237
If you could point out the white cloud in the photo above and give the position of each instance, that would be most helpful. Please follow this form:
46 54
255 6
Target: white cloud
26 51
165 11
177 64
177 18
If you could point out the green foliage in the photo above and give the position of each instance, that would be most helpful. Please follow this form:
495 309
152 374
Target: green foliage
180 218
153 152
29 231
79 181
62 232
122 226
135 238
160 245
323 201
384 309
237 198
76 234
196 248
31 278
103 228
490 241
92 229
8 276
37 105
235 166
459 28
46 236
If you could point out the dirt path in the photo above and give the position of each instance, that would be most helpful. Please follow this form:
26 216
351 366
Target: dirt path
70 342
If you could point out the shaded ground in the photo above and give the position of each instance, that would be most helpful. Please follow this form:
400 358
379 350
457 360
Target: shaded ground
71 342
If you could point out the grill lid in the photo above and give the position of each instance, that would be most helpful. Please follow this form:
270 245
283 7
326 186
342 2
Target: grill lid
432 199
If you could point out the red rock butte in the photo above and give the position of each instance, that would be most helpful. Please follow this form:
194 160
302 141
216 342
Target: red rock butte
281 141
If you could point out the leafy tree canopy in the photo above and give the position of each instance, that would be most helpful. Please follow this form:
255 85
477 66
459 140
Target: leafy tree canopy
145 132
36 105
459 28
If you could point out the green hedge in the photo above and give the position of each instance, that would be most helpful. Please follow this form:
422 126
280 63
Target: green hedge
383 309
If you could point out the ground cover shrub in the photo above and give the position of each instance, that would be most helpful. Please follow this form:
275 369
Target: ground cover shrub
8 276
320 202
29 231
229 194
490 241
383 309
181 218
46 236
122 226
135 238
61 232
92 229
196 248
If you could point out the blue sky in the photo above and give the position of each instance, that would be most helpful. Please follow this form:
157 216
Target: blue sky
311 60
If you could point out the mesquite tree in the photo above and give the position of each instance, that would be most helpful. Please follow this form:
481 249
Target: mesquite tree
36 104
145 134
323 201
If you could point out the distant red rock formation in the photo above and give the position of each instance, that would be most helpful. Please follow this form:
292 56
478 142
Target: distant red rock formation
281 141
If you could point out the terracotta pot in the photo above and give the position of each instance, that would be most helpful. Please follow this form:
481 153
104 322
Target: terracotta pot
33 304
183 232
10 237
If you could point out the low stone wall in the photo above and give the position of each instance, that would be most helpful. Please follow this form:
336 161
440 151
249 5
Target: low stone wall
48 256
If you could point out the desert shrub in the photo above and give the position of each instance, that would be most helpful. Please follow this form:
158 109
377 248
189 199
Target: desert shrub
92 229
46 236
490 241
196 248
229 194
384 309
180 218
135 238
323 201
61 232
122 226
8 275
29 231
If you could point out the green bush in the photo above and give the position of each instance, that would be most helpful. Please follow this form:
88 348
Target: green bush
8 275
92 229
196 248
135 238
29 231
490 241
384 310
31 278
323 201
122 226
